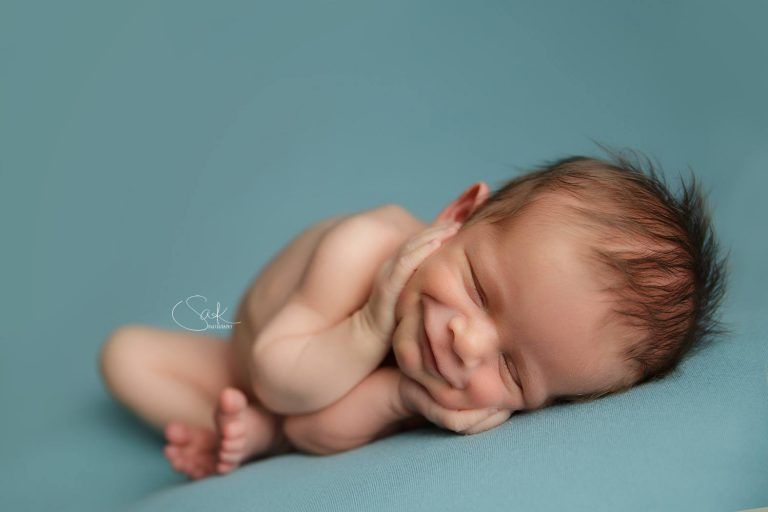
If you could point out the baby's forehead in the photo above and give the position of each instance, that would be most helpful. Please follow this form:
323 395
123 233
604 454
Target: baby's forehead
541 229
545 261
547 288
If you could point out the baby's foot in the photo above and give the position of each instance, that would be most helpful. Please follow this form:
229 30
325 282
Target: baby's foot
191 450
244 431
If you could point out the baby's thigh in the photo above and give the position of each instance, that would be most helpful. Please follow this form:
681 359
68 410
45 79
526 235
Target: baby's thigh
203 362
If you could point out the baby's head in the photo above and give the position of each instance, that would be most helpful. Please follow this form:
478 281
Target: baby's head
579 279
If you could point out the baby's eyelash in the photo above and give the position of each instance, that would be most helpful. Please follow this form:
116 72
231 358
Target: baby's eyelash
511 373
477 288
480 295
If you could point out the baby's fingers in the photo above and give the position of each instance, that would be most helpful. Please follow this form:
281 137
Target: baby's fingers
460 421
494 420
431 233
413 254
472 421
395 273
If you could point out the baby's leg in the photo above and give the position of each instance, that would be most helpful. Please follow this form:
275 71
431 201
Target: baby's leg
181 383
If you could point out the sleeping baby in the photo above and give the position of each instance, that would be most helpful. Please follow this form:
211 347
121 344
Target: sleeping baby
581 278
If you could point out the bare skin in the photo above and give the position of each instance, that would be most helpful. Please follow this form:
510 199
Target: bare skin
199 390
195 389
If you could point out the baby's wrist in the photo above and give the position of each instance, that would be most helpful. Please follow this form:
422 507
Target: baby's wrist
400 404
369 327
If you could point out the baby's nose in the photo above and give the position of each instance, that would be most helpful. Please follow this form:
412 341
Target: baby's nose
470 345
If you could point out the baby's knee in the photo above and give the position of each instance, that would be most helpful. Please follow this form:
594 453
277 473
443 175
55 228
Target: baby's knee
120 351
120 341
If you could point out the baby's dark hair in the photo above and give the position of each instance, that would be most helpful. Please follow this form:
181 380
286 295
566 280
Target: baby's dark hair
668 278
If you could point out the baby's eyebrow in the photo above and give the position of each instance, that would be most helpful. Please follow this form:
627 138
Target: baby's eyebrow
479 285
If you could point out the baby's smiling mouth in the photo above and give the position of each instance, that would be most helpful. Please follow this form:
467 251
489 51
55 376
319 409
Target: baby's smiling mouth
430 358
428 355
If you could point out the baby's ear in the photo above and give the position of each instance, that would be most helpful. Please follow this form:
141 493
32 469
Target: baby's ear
461 208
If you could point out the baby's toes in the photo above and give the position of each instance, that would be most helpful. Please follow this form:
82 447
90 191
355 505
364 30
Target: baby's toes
225 467
173 456
232 401
197 467
177 433
229 413
180 458
196 473
233 445
234 456
199 470
234 430
204 468
171 451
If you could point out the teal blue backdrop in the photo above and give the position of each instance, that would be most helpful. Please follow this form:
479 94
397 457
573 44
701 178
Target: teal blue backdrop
154 150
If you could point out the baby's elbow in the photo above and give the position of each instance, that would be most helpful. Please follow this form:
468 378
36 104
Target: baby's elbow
275 388
266 382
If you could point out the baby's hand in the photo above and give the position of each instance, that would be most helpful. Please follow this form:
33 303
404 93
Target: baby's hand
468 421
391 278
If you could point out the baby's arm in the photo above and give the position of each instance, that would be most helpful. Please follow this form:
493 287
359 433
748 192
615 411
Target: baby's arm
311 371
384 403
370 411
319 345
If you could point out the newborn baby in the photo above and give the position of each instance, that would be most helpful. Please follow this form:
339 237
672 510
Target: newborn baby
581 278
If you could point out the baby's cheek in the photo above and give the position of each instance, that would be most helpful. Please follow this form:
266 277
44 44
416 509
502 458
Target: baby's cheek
404 357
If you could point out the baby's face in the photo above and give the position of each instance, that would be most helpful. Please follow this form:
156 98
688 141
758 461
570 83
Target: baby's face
513 319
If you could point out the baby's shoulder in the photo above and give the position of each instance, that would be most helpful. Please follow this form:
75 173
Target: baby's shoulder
360 243
364 235
393 218
358 246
